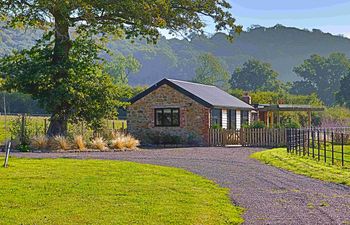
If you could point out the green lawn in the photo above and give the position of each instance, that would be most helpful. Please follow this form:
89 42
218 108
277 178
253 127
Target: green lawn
305 165
337 149
67 191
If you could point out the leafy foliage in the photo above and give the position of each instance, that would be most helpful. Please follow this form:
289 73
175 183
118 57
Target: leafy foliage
76 96
255 75
343 96
322 74
210 71
121 67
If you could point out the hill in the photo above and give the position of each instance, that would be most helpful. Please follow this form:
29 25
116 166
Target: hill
283 47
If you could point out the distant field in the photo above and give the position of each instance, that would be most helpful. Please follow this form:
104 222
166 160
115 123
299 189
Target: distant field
37 124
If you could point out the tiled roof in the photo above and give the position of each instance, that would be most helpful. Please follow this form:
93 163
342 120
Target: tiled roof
207 95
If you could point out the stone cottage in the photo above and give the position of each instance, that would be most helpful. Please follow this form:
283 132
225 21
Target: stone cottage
183 111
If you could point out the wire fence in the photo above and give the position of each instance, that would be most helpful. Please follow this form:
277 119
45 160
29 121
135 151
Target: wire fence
324 144
20 126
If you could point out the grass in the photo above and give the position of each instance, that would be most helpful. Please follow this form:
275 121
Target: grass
337 152
68 191
305 165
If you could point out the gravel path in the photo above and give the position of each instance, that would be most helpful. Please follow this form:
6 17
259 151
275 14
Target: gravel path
270 195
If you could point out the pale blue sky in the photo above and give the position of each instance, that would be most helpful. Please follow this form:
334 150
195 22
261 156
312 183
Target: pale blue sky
331 16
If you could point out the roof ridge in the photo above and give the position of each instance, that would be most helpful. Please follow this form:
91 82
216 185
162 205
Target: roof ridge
189 82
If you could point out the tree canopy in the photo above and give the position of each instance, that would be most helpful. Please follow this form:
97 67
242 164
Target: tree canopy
63 73
210 71
255 75
120 67
323 75
343 95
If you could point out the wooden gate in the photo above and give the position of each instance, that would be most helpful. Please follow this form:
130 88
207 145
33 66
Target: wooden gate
223 137
261 137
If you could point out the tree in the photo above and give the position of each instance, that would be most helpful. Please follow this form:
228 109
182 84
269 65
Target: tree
131 18
85 94
323 74
210 71
343 95
255 75
121 67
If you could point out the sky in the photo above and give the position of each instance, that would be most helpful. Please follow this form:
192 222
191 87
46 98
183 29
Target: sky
331 16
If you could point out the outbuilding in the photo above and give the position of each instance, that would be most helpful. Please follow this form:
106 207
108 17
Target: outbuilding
185 111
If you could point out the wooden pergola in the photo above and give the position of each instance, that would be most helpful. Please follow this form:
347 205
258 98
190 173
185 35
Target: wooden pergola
266 112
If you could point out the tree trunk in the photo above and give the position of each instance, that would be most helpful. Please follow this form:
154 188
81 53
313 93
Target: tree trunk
58 126
58 121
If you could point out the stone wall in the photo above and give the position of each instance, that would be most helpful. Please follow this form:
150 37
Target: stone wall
194 117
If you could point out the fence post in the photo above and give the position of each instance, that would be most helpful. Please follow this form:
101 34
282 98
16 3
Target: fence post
313 143
45 126
342 149
308 142
325 145
318 145
304 149
7 149
332 148
22 129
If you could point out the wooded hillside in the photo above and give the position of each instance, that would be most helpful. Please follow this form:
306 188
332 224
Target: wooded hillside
283 47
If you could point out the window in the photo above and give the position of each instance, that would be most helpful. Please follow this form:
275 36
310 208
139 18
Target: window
244 117
232 119
167 117
216 117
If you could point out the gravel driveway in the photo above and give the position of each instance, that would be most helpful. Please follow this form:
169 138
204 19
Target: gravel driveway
270 195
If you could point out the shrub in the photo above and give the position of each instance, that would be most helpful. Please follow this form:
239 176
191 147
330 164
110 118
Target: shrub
59 142
216 126
39 142
79 142
99 143
257 124
291 124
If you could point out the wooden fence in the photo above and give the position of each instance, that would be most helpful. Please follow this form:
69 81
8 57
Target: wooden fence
262 137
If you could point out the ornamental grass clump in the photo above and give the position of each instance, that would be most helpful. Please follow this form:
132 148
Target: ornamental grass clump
124 142
59 143
131 142
39 142
99 143
118 143
79 142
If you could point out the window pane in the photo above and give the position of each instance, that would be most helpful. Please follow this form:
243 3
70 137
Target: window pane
216 117
166 117
159 117
244 117
232 119
176 119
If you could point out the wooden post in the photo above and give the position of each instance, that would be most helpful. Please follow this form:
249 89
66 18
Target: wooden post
267 119
45 126
272 119
309 118
22 129
278 119
8 147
